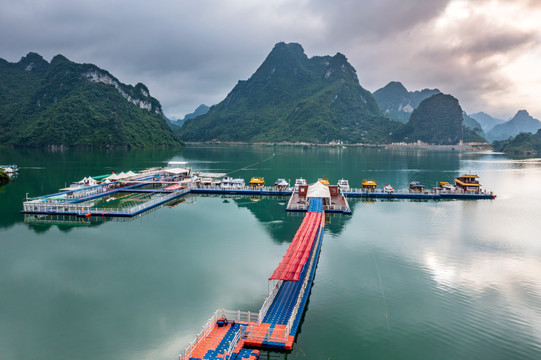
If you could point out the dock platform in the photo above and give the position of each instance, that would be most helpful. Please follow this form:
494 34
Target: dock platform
239 335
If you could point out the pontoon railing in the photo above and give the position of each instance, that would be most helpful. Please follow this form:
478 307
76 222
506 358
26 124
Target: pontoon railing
268 301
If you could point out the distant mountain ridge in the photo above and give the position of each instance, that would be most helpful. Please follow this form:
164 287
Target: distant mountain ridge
522 122
177 124
487 122
398 103
63 103
296 99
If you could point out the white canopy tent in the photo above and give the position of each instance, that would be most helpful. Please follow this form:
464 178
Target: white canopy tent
176 171
319 190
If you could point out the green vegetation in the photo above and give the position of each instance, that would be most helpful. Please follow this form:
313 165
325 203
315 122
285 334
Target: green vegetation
522 144
437 120
398 103
4 178
76 105
295 99
473 125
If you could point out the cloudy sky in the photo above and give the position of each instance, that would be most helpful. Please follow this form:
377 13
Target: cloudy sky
487 53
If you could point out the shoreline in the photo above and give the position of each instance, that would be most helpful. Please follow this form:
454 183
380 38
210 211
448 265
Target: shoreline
459 147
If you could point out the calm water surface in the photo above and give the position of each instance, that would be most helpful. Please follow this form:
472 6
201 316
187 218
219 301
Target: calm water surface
396 279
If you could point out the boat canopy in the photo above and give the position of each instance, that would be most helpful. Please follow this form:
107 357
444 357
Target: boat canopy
176 171
318 190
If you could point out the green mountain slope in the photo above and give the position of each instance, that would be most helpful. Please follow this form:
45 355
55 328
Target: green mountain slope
437 120
63 103
398 103
473 125
293 98
522 144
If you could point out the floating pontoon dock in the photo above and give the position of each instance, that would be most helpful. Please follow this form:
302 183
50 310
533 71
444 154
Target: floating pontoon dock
163 185
239 334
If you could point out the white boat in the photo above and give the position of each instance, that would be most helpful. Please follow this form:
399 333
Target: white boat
229 183
448 187
299 182
343 184
9 169
281 184
388 189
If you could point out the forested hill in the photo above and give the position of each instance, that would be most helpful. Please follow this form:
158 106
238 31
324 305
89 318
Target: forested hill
398 103
438 120
63 103
297 99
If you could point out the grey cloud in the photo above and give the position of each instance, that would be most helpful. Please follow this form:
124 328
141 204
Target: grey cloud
193 52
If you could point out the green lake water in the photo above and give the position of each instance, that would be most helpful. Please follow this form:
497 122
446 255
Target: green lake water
397 279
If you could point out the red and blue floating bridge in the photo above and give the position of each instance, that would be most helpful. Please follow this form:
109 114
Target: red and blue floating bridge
239 335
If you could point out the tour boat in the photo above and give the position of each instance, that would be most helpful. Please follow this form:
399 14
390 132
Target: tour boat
343 184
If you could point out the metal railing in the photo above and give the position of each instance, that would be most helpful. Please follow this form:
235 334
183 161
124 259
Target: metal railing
83 209
293 315
246 317
268 301
241 332
207 329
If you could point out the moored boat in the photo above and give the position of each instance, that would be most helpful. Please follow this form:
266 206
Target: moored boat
281 184
229 183
299 182
468 183
369 185
416 187
343 184
388 189
257 183
323 181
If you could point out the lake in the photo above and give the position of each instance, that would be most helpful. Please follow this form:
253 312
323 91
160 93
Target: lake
396 279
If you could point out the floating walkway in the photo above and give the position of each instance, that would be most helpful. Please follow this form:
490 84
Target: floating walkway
162 186
240 335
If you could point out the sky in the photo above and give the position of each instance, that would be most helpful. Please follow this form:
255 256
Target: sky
486 53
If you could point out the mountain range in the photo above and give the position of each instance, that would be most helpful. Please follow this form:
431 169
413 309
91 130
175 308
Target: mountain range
293 98
522 122
398 103
63 103
486 121
289 98
177 124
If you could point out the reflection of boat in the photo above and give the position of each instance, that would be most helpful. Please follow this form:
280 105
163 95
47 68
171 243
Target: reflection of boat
468 183
388 189
299 182
257 182
343 184
323 181
416 186
281 184
369 185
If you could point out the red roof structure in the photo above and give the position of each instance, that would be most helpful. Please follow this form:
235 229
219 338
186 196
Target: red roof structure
299 250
